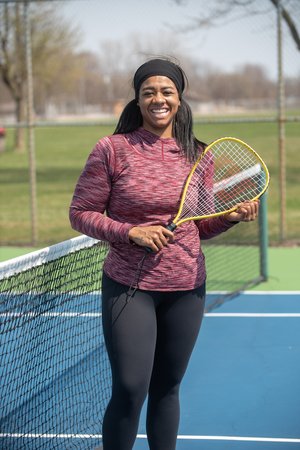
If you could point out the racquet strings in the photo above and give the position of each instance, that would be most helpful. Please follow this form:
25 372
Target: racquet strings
227 174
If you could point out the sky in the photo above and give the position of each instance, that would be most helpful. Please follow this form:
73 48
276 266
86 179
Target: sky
227 47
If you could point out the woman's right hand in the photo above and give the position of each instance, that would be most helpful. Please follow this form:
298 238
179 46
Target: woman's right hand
155 236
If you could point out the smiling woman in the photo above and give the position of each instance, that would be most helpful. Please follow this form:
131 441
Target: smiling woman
159 102
158 90
152 302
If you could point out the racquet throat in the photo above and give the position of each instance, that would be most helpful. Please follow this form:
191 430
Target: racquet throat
171 226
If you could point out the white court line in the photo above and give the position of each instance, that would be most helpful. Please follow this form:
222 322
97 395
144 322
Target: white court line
239 438
78 315
252 315
144 436
269 293
50 314
96 314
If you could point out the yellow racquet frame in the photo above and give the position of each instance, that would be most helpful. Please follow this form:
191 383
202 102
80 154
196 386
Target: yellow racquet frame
177 221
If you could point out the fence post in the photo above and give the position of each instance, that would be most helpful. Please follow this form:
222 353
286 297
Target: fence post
263 237
30 126
281 128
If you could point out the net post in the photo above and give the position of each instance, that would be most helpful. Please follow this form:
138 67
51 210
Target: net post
263 238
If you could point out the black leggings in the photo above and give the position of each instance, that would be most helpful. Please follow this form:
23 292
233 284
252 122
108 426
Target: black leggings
149 339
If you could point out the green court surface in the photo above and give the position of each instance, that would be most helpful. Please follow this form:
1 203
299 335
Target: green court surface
7 253
283 267
283 270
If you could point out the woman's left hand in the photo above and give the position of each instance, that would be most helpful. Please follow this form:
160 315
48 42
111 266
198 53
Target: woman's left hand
245 212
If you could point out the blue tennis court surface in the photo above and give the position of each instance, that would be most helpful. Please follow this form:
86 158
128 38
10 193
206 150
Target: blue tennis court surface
242 388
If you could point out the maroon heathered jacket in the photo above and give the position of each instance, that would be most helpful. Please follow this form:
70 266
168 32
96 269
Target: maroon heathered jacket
137 178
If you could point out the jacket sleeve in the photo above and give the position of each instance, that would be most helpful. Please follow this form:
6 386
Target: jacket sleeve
91 197
209 228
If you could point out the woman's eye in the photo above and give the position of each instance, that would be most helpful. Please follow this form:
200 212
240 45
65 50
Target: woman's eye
163 93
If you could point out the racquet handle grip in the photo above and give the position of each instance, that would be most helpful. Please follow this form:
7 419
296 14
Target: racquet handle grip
170 227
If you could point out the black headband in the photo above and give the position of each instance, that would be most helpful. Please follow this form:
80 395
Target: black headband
159 67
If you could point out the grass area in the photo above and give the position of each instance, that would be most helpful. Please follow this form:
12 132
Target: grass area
61 153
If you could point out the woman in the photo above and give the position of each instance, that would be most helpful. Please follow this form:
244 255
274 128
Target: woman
136 176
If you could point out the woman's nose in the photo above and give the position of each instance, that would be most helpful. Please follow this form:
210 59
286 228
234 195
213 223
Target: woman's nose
158 97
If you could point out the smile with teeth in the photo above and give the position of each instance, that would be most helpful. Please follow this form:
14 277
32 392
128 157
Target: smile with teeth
159 112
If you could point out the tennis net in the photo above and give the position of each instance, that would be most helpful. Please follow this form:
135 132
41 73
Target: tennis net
54 374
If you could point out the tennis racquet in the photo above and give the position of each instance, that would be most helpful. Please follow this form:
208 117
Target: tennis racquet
226 174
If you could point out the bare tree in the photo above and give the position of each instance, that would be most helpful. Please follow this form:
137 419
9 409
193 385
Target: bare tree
216 13
206 83
12 65
53 42
288 16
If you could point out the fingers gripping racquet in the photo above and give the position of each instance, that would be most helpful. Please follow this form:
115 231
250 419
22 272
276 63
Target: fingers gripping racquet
226 174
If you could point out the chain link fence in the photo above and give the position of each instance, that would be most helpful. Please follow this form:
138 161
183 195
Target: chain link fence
71 63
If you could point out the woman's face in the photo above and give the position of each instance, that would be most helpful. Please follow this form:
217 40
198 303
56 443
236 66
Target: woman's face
158 101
